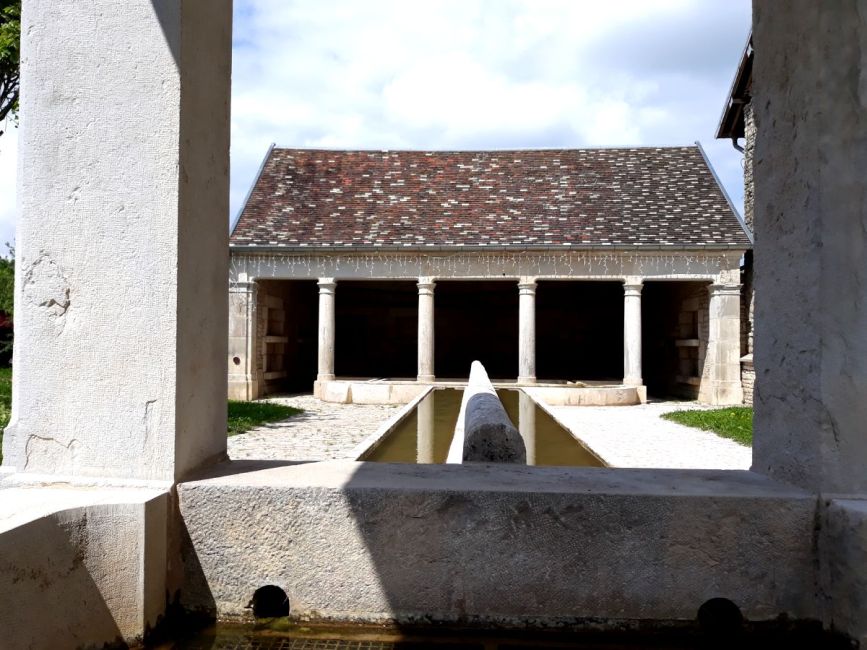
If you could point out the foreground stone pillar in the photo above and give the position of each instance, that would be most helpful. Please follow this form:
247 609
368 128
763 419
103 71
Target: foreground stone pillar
527 331
426 329
632 332
327 287
122 243
811 235
243 371
721 380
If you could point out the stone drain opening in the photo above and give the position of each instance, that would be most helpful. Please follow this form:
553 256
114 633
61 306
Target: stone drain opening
720 619
269 601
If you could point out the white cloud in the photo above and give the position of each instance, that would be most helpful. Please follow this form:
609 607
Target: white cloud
473 74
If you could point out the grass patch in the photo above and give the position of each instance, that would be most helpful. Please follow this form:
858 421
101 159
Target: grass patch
243 416
734 422
5 402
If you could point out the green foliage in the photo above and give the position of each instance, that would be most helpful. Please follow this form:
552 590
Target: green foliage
10 57
5 402
735 422
243 416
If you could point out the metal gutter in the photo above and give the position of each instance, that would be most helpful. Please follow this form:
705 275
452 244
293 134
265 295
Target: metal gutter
253 248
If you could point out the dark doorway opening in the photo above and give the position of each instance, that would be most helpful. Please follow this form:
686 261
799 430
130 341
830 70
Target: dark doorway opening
287 323
674 323
376 329
579 331
476 321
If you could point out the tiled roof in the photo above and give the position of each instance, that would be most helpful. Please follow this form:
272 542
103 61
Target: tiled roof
318 199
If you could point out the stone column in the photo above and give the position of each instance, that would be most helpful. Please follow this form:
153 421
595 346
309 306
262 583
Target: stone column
426 329
425 429
122 244
811 233
243 343
327 287
632 332
527 425
527 331
721 379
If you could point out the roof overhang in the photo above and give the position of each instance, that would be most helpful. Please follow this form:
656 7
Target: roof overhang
731 124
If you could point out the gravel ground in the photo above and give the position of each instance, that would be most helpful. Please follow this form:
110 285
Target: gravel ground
624 436
323 431
635 436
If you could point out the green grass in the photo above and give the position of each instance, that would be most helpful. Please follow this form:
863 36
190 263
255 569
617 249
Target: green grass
243 416
735 422
5 402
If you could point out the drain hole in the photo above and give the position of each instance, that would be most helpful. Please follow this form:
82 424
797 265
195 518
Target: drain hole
270 602
720 617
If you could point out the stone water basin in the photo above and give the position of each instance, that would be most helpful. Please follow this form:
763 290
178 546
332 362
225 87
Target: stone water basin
423 432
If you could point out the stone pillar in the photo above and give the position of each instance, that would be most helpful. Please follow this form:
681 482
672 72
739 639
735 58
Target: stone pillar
632 332
721 379
527 425
425 429
243 343
426 330
326 329
811 235
122 244
527 331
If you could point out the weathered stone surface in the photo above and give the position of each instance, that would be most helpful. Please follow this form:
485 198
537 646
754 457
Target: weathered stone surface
374 541
489 435
80 567
809 97
122 244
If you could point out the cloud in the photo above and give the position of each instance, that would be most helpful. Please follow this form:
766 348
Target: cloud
484 74
473 74
8 176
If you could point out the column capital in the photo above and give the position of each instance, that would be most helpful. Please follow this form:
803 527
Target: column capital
327 285
426 286
724 289
632 287
527 286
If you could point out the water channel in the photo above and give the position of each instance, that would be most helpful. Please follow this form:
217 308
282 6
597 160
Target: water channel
425 434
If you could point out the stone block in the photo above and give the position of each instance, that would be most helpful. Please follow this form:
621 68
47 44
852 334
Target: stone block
498 544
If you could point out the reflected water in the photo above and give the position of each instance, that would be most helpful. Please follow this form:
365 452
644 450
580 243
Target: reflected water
425 434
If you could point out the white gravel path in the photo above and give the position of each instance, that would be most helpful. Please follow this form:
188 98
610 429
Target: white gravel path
635 436
323 431
625 436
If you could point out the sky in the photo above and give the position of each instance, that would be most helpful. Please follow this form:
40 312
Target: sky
472 74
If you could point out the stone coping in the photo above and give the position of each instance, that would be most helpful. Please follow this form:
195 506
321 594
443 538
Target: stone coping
480 477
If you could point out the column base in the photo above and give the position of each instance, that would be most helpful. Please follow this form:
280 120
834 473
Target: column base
244 390
426 379
527 380
633 381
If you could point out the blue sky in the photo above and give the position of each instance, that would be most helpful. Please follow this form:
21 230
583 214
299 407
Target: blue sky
472 74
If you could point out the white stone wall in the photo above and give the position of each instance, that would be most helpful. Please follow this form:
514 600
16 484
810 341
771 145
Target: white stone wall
120 301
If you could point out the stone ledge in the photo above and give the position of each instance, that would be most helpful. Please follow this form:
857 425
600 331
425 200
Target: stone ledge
503 545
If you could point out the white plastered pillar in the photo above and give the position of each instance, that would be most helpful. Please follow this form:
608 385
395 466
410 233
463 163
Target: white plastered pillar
426 329
721 379
243 344
527 331
327 287
527 425
122 243
632 331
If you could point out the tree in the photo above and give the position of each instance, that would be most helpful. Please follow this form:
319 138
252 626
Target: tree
10 58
